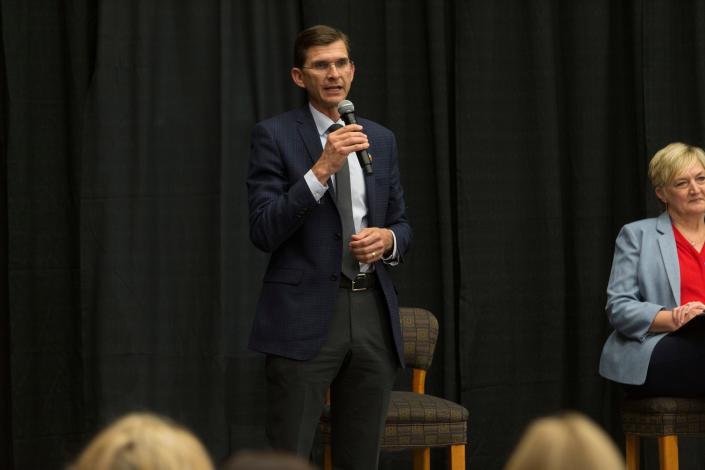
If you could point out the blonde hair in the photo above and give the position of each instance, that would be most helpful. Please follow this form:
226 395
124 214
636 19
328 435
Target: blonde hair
142 441
672 160
567 442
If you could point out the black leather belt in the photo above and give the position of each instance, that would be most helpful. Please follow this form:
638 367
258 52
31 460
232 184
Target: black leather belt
362 281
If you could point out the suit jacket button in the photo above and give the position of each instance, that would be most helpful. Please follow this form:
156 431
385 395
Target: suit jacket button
333 277
338 236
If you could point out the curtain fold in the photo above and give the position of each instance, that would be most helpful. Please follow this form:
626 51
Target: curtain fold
5 373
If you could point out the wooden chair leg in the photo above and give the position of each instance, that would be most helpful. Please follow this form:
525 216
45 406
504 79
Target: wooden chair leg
632 453
456 457
327 458
668 452
422 458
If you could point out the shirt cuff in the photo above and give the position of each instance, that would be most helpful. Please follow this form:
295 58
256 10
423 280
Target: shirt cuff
317 189
392 259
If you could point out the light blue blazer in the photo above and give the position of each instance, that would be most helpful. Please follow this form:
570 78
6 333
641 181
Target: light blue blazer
645 278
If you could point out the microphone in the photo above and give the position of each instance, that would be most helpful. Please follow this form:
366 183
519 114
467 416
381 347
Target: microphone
347 114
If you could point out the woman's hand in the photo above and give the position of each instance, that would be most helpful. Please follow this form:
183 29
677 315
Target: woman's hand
671 320
683 314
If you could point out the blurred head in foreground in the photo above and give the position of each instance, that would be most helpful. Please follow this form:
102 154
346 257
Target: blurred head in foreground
142 441
570 441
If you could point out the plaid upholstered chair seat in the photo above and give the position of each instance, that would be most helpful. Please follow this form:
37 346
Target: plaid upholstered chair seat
414 420
664 418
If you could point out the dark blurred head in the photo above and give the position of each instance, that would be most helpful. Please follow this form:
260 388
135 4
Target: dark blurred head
266 460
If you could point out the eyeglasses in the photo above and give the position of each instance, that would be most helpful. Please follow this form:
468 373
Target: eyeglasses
341 65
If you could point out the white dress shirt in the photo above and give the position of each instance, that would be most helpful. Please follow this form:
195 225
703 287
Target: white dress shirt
357 185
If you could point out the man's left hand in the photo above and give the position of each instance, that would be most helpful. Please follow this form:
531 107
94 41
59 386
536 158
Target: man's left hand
371 243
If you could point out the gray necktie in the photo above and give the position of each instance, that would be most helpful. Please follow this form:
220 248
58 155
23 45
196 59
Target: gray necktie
343 200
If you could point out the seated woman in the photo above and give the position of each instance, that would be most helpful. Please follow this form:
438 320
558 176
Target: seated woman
656 288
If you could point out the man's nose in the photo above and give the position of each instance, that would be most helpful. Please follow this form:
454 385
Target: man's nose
333 70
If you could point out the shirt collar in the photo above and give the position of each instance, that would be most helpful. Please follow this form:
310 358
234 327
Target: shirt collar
322 121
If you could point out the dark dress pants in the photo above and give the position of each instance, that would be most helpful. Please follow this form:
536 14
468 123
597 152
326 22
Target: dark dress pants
677 365
358 362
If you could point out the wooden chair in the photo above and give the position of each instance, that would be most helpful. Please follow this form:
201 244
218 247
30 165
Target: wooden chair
417 421
665 418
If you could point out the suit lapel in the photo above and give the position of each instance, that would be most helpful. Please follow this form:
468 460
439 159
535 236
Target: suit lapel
309 134
312 141
669 254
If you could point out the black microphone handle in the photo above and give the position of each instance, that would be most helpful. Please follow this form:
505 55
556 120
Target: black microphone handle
365 161
362 156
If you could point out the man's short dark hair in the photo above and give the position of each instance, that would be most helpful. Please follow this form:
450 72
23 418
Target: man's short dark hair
319 35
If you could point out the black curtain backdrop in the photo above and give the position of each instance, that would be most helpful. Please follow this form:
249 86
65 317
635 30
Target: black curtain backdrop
5 395
129 281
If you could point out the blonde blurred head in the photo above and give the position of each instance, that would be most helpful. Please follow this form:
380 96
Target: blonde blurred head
567 442
142 441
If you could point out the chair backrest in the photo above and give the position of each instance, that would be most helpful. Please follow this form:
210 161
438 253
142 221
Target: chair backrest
419 331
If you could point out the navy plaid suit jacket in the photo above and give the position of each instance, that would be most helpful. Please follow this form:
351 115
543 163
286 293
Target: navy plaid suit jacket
301 282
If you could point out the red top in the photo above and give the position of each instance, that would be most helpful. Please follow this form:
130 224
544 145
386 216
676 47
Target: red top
692 264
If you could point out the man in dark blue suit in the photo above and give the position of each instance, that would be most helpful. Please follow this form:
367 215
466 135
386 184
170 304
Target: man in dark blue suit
328 314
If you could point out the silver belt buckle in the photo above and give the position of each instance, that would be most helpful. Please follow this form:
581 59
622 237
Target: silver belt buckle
359 277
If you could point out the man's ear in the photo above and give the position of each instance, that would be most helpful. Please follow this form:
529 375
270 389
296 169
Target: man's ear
297 77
